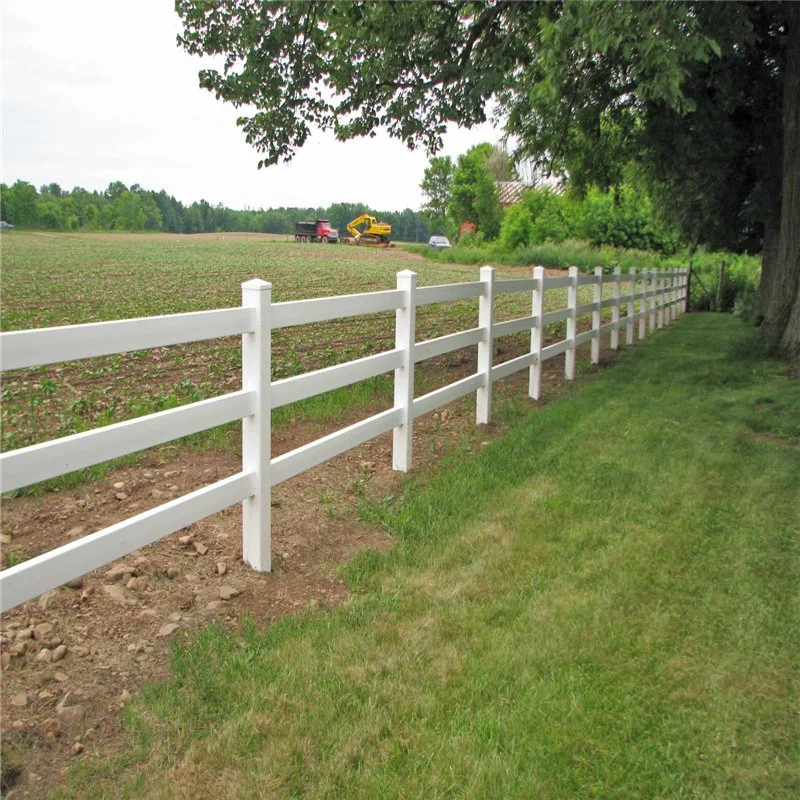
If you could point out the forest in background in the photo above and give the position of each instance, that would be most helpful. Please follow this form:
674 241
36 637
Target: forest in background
123 208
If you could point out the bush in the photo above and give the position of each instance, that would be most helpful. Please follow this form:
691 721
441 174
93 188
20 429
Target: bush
516 230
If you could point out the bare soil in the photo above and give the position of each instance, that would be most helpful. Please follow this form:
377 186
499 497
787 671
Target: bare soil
74 657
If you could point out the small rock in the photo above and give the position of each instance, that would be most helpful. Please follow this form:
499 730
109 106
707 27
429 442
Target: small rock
61 677
141 561
125 697
20 699
77 749
227 592
118 595
24 633
186 540
75 583
76 532
148 612
136 584
222 567
59 652
45 695
201 548
168 629
119 485
186 600
18 649
44 656
119 571
213 605
175 617
5 660
86 593
148 475
171 473
5 538
174 487
172 572
51 727
42 631
121 496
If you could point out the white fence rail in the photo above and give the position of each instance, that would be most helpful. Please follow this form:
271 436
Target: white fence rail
658 295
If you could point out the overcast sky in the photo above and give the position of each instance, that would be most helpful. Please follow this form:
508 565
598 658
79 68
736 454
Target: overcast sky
97 90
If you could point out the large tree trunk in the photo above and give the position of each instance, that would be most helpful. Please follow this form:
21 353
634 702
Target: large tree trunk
782 318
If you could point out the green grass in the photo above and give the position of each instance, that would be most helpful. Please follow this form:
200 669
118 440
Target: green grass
603 604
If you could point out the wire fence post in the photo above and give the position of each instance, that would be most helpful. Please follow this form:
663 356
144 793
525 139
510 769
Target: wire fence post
257 428
572 324
537 333
485 348
597 299
404 339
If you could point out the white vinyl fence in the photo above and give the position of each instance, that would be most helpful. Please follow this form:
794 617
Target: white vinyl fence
659 295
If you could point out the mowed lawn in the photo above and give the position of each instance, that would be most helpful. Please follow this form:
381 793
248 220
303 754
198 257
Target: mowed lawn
603 603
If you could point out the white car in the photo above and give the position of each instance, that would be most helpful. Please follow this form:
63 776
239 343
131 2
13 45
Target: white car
438 242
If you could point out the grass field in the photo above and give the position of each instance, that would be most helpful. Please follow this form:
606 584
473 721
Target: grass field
59 279
602 604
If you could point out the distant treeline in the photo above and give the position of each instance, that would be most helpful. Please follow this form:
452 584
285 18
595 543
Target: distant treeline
123 208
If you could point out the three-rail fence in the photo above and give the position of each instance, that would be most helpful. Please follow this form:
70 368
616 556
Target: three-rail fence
653 298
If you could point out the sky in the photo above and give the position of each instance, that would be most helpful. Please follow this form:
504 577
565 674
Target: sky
97 91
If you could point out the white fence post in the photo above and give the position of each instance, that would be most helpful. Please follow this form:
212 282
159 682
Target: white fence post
485 348
615 309
659 298
257 429
404 339
597 298
537 333
675 281
652 316
669 297
643 304
631 307
572 324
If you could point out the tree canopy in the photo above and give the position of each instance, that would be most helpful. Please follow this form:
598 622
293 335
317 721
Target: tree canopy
703 97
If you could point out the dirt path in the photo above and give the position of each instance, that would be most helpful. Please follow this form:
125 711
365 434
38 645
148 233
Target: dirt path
74 657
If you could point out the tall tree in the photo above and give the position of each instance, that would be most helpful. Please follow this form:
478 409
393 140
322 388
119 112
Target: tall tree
436 186
473 192
704 95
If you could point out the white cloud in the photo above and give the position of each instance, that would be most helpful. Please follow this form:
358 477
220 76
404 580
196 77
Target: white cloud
97 91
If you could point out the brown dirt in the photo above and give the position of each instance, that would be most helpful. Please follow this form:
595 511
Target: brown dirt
115 629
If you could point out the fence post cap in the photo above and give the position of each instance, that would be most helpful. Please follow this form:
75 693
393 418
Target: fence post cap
257 285
406 273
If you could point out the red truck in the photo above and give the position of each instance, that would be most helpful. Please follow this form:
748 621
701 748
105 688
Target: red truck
319 231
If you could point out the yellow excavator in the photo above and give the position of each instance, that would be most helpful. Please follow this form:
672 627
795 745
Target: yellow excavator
375 233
